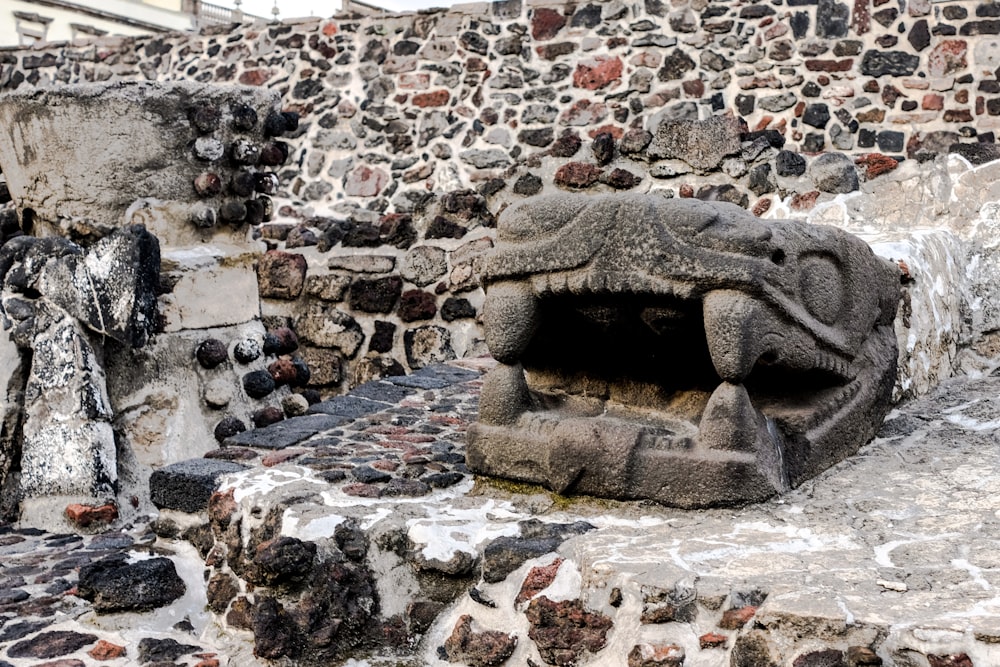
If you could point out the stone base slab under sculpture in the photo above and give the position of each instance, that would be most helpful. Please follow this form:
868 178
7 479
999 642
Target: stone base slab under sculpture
678 350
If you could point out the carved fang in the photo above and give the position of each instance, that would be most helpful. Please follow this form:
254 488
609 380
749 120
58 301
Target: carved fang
731 422
729 327
504 396
510 316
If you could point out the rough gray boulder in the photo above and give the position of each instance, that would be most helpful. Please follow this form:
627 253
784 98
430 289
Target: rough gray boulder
679 350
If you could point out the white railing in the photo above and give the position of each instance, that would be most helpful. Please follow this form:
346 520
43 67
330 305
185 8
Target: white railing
206 13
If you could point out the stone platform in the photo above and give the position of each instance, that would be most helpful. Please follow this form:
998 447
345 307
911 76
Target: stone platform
888 558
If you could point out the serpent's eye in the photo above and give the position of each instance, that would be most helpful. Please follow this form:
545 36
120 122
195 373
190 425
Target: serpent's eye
821 286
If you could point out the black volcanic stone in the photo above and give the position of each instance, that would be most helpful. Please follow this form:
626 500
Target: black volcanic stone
603 148
51 644
282 560
787 163
817 115
211 352
258 384
889 141
417 305
505 554
539 138
382 338
375 296
566 145
528 185
442 480
113 584
347 406
977 153
187 485
369 475
745 104
814 142
474 42
381 391
246 351
22 629
455 308
891 63
760 181
831 19
920 36
228 427
675 66
163 650
800 24
442 228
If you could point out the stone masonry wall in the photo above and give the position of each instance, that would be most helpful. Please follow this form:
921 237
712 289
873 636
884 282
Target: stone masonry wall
417 129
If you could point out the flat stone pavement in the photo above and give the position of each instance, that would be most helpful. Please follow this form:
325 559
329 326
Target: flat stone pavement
893 555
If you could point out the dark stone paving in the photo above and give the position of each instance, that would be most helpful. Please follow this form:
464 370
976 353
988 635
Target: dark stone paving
401 436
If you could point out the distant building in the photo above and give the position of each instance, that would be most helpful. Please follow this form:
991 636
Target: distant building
24 22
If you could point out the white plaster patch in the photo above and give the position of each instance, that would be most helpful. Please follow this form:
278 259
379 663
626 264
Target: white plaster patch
452 529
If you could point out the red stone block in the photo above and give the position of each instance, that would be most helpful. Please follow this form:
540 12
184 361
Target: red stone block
105 650
822 65
932 102
538 579
712 640
875 164
577 175
546 23
804 201
597 72
734 619
87 515
437 98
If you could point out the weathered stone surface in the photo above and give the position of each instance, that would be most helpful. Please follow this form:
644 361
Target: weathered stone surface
51 644
258 384
579 452
478 649
333 329
211 352
563 631
85 516
112 584
788 163
163 650
378 295
423 265
187 485
426 345
577 175
892 63
281 275
648 655
834 172
281 560
702 144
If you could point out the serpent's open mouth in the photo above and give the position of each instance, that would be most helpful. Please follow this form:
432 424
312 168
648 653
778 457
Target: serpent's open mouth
714 360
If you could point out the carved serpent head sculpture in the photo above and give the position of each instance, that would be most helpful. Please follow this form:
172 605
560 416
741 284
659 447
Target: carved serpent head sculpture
679 350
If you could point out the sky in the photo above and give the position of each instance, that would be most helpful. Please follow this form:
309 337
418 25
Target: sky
323 8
